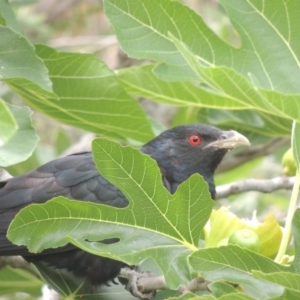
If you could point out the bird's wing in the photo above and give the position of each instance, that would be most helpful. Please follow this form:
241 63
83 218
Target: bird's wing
74 176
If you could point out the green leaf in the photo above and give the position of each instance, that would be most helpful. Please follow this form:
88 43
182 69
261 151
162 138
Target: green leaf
226 111
19 60
145 31
290 281
23 143
190 296
90 97
142 82
155 224
250 76
235 265
186 115
7 17
272 25
219 289
254 122
231 84
288 295
16 280
8 125
142 29
26 165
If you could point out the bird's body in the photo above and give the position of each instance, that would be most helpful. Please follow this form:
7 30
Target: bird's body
76 177
179 152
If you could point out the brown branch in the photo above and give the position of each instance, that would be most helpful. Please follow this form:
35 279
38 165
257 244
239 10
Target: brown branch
253 152
259 185
195 285
143 285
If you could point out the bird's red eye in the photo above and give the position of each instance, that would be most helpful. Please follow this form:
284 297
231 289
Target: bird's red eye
194 140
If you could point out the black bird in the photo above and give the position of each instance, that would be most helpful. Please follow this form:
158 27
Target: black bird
179 152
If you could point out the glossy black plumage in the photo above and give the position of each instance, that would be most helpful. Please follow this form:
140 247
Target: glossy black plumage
76 177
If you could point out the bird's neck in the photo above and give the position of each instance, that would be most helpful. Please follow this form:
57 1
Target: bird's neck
179 173
176 171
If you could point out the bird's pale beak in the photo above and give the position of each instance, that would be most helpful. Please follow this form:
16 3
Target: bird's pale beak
230 140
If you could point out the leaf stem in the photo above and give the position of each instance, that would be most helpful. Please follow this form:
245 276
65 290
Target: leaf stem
288 223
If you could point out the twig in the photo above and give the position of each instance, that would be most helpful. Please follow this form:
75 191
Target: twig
152 283
143 284
253 152
259 185
195 285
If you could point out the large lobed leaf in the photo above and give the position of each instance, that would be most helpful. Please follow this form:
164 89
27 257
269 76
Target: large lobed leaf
145 30
156 224
254 76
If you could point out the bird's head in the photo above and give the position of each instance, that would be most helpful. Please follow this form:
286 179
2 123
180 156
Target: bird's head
188 149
